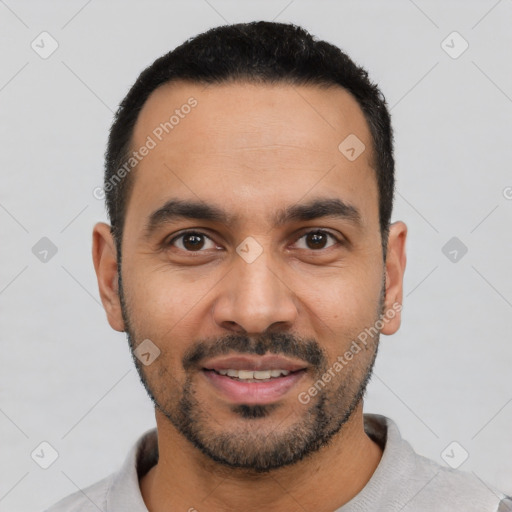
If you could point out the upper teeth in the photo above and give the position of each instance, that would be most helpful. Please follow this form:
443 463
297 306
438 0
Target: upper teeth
249 374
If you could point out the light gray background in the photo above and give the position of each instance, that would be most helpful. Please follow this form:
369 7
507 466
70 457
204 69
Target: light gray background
67 378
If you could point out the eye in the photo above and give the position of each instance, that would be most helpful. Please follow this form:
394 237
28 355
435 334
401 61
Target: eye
192 241
317 239
196 241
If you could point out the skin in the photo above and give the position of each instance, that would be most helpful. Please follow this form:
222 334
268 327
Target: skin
252 150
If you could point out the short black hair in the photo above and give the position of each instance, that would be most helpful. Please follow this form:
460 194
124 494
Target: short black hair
256 52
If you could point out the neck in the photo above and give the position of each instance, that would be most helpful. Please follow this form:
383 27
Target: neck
186 479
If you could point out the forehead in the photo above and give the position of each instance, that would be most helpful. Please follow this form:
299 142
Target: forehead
250 114
245 146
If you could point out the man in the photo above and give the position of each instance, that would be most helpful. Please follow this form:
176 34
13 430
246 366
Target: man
252 263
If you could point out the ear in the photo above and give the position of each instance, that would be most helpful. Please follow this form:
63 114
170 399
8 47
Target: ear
395 268
104 256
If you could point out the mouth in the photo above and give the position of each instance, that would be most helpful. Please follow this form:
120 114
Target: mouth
253 380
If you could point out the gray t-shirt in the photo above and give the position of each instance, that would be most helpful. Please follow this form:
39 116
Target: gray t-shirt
404 481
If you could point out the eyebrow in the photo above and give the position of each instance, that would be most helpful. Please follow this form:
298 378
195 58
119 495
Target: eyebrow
178 209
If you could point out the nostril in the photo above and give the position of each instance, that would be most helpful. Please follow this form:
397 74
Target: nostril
233 327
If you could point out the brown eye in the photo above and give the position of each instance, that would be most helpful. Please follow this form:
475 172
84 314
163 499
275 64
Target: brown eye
318 239
191 241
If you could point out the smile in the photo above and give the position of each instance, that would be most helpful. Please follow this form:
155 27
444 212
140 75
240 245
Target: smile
253 387
253 376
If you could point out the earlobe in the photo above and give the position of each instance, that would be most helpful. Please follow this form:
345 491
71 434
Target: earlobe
104 256
395 268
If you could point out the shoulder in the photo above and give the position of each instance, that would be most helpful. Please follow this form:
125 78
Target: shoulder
119 491
447 489
90 499
418 483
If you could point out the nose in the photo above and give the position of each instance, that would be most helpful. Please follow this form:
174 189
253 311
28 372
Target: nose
254 298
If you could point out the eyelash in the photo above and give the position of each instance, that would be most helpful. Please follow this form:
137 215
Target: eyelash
200 233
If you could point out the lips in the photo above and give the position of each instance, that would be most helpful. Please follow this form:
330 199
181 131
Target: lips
253 379
254 363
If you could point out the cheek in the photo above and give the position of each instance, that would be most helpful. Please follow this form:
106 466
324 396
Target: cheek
162 309
161 301
347 297
342 307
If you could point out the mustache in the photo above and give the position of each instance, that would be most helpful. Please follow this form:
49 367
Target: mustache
285 344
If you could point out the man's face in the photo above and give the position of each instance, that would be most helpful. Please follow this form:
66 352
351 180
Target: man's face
253 294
